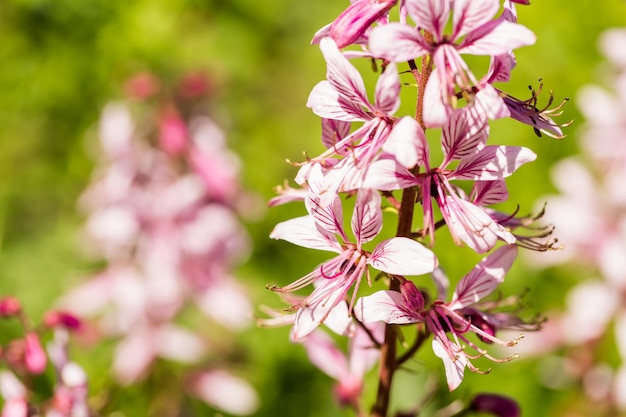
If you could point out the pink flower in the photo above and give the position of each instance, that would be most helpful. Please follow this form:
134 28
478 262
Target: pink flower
463 140
473 32
342 97
442 318
323 229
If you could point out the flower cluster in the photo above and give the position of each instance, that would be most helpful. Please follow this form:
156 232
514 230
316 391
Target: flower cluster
163 216
590 210
25 360
373 152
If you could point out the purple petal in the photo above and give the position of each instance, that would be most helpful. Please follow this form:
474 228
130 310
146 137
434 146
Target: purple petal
485 193
464 134
470 14
496 37
454 365
326 102
385 306
333 131
328 216
388 90
367 219
303 231
430 15
472 225
402 256
500 68
413 298
497 405
484 278
538 120
356 19
396 42
342 75
407 143
492 163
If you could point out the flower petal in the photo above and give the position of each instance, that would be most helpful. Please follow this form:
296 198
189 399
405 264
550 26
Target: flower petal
492 163
485 193
342 75
333 131
472 225
356 19
489 102
407 143
455 367
496 37
388 90
303 231
326 102
325 355
500 68
313 313
464 134
367 219
327 215
225 392
430 15
471 14
402 256
386 174
434 100
484 278
385 306
396 42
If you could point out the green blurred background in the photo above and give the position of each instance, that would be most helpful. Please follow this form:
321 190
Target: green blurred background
62 60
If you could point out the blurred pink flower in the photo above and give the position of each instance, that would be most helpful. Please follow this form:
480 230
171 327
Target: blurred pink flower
14 394
348 370
163 214
224 391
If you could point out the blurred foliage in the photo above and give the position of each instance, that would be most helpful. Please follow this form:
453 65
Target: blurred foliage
62 60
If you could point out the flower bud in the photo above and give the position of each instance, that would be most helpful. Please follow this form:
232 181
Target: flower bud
34 355
9 307
356 19
412 296
172 132
498 405
142 86
62 318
